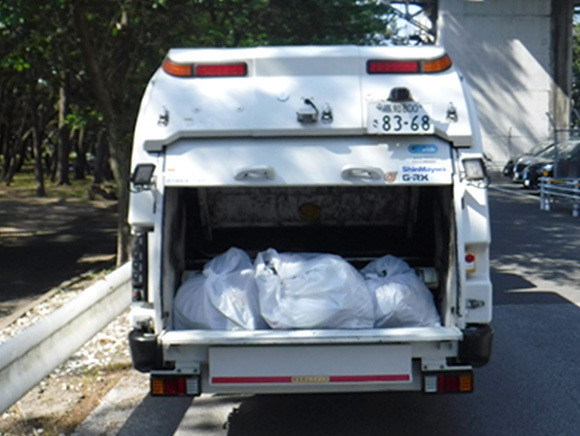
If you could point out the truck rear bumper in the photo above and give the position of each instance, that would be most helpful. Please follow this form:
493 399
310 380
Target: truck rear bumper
301 361
475 349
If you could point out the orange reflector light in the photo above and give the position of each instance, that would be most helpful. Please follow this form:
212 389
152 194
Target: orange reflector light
179 70
437 65
391 67
157 386
466 383
221 70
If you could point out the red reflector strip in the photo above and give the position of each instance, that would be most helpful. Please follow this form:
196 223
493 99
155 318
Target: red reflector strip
236 380
390 67
313 379
221 70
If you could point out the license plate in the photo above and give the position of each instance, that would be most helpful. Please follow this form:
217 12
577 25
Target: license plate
389 118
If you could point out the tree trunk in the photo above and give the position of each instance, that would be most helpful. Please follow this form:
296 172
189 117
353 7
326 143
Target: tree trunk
63 136
119 154
101 158
81 166
37 147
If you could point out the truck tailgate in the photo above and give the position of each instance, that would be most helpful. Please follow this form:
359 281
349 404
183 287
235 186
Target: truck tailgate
271 361
325 364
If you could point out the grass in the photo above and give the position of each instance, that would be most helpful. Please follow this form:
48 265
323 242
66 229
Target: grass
90 388
24 186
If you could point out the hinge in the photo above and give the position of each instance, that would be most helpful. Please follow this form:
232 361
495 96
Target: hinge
474 304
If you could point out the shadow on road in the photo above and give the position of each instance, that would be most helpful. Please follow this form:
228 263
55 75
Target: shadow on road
53 243
156 416
531 249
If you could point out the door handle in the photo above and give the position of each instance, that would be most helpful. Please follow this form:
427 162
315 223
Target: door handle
361 173
262 172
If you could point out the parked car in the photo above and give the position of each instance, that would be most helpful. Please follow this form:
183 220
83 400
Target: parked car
517 164
544 152
533 173
568 165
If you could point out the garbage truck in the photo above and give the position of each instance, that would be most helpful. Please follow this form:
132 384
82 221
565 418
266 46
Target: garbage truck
349 152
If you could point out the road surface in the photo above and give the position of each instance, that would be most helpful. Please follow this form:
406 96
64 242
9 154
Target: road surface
44 242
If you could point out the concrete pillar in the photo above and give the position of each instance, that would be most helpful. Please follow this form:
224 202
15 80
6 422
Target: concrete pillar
562 14
515 54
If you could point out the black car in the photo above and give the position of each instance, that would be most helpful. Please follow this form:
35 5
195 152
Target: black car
568 165
533 173
514 167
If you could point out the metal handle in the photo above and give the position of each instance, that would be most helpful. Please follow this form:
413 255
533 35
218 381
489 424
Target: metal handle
255 173
362 173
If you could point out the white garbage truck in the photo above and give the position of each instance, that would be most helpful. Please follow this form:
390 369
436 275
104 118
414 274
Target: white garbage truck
350 152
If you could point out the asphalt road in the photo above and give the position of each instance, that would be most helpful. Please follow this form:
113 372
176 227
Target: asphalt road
46 242
531 387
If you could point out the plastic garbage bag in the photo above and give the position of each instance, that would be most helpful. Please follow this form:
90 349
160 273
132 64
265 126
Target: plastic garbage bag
401 298
311 291
223 297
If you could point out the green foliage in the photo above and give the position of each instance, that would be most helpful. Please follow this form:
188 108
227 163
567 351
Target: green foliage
41 55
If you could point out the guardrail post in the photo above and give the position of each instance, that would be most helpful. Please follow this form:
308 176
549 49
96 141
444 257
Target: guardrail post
576 204
544 198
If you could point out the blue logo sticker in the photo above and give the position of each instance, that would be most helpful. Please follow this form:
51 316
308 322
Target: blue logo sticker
423 149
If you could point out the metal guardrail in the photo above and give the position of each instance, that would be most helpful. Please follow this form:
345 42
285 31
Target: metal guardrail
566 189
33 354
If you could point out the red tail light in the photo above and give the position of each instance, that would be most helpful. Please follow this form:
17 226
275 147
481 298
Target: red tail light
391 67
408 66
221 70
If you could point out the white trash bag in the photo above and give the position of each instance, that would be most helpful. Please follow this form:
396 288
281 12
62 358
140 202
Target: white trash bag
401 298
223 297
312 291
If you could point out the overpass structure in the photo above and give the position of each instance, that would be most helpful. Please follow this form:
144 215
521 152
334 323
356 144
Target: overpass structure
516 56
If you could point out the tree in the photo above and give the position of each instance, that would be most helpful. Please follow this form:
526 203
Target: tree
83 66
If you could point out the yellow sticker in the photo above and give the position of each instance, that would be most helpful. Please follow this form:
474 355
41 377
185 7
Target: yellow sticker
310 379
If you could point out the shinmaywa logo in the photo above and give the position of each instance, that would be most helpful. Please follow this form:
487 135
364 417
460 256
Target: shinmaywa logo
424 169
